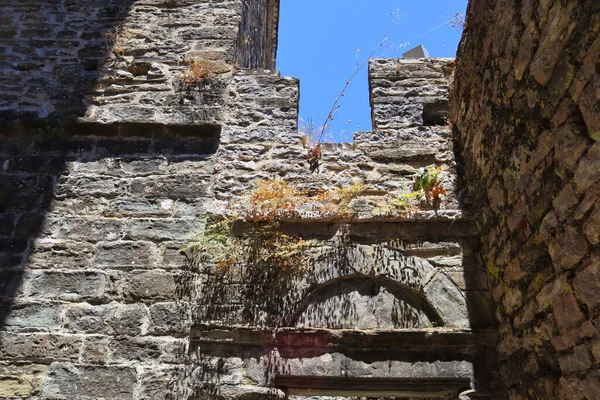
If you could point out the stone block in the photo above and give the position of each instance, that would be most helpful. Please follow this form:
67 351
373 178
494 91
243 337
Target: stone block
83 229
451 302
568 248
169 318
163 229
184 186
72 286
128 319
588 202
571 143
144 166
587 284
139 207
566 341
94 186
89 382
565 201
579 360
591 227
21 380
95 349
555 36
158 383
596 349
589 103
83 317
567 312
110 319
49 253
175 351
172 256
125 255
588 169
32 317
83 206
526 47
39 346
151 285
221 370
125 350
552 291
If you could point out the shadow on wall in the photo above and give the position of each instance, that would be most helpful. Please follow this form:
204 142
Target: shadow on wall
60 187
52 55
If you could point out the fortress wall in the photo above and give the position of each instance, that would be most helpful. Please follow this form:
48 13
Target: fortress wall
110 159
526 115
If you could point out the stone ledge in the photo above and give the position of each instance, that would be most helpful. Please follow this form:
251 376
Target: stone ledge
370 231
33 126
371 387
464 340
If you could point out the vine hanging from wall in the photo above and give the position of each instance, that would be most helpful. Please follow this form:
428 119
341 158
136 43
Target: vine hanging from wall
249 232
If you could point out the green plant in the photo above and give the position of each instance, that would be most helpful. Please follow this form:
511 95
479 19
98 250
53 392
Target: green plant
262 242
340 198
429 181
217 245
409 201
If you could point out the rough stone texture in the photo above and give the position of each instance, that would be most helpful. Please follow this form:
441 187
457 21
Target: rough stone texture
107 60
109 161
525 109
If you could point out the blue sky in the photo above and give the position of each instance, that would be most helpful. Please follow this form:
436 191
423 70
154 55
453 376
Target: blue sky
318 42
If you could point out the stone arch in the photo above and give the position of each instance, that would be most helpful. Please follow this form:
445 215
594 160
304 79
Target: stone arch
365 284
409 279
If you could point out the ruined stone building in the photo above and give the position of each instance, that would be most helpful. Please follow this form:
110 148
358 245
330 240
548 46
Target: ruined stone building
127 126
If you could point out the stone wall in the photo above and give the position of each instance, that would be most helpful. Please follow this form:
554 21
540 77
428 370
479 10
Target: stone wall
526 115
110 159
113 61
95 286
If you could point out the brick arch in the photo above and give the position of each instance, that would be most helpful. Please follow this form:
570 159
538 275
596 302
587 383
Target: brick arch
366 284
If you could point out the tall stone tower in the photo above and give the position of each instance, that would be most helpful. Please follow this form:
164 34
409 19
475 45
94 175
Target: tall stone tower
125 123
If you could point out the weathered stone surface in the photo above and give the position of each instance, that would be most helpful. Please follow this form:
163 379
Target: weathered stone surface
39 346
522 104
92 285
568 248
566 312
578 361
157 384
21 381
95 350
591 227
111 319
587 284
111 198
65 379
33 316
587 172
162 229
67 254
127 255
551 291
123 350
169 318
155 285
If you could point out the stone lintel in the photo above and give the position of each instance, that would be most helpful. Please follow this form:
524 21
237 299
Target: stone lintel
371 387
376 231
461 340
199 130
